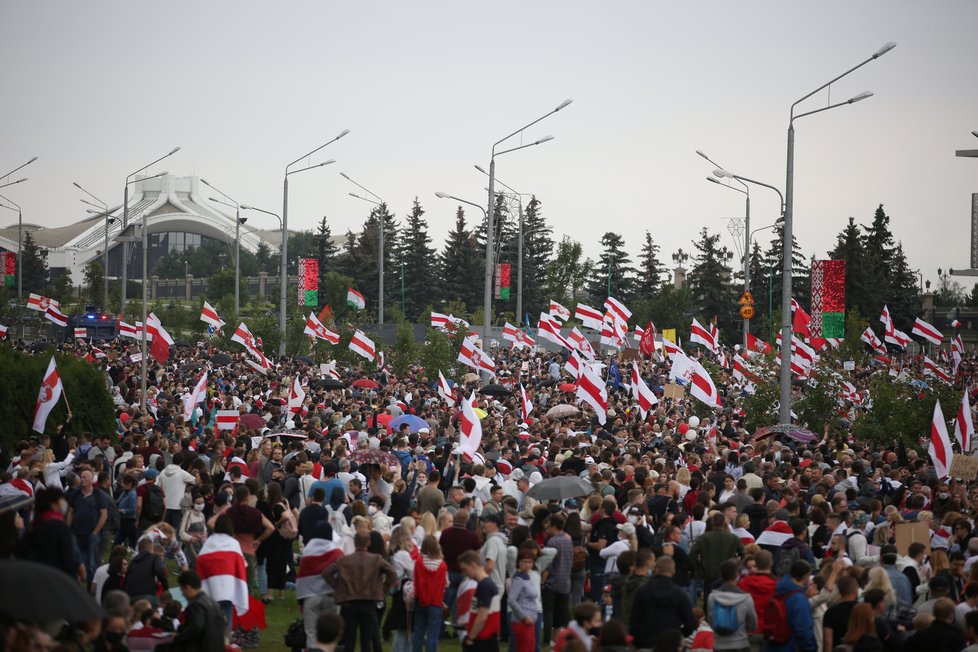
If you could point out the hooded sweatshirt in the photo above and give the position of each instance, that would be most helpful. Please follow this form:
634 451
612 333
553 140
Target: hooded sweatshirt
172 481
800 619
760 586
733 596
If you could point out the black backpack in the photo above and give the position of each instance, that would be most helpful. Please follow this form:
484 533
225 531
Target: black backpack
153 509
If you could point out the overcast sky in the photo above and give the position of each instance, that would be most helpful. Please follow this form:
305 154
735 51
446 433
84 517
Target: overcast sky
99 89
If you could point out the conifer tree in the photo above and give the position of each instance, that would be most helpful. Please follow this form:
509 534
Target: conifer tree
418 258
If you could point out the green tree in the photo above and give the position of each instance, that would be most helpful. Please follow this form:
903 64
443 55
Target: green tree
773 259
850 247
34 265
326 249
418 259
266 258
221 285
461 273
95 282
650 269
617 282
898 413
568 272
538 246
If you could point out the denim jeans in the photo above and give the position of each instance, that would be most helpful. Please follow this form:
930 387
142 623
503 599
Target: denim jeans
88 547
227 608
427 628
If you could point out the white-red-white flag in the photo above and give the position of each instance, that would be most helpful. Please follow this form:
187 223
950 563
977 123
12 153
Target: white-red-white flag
445 390
315 328
618 309
244 337
363 345
223 576
198 394
81 332
757 345
548 328
964 427
640 391
38 302
227 419
928 332
574 364
439 321
580 343
701 386
127 330
208 315
296 396
56 316
160 349
592 390
48 396
559 311
590 318
931 368
519 339
470 429
526 404
939 449
698 334
869 337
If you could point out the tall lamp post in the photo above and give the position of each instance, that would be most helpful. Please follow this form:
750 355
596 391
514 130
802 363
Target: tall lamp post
238 221
246 207
746 192
445 195
487 289
380 255
285 234
105 250
20 226
125 248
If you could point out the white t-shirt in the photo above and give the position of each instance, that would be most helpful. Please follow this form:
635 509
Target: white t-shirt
98 581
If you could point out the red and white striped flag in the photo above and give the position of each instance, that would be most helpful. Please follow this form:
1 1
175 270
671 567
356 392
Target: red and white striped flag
363 345
296 396
964 427
525 403
640 392
931 368
592 390
700 335
227 419
315 328
56 316
160 349
618 309
548 328
517 337
590 318
48 396
574 364
37 302
701 386
198 394
317 554
928 332
445 390
209 316
439 321
244 337
221 567
3 332
470 429
743 372
127 330
559 311
757 345
869 337
580 343
472 356
81 332
939 449
957 353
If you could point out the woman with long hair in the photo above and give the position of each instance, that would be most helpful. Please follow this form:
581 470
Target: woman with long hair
861 633
878 579
430 578
403 555
274 552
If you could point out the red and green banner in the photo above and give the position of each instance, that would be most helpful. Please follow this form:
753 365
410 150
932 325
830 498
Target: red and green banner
9 260
828 299
308 282
503 280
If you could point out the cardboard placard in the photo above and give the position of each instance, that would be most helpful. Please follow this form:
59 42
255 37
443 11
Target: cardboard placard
630 354
964 467
907 533
135 357
849 365
673 391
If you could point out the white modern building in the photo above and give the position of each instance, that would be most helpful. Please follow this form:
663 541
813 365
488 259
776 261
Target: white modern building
178 216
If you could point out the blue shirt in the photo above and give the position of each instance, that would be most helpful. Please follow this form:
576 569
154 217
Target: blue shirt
327 486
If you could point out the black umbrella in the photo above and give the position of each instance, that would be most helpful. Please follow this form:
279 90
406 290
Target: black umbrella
494 390
304 358
181 344
220 359
191 366
560 488
329 383
37 592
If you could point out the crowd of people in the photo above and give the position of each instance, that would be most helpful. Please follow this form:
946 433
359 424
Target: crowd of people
690 535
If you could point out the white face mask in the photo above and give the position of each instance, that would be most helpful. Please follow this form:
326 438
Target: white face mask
633 520
64 508
199 507
372 510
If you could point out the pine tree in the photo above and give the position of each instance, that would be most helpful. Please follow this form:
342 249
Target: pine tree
95 282
849 247
568 272
709 281
418 258
890 277
650 270
621 276
774 257
326 249
538 248
460 267
366 259
34 265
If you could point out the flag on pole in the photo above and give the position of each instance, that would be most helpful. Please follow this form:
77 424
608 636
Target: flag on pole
37 302
48 396
3 332
355 300
931 368
56 316
592 390
700 335
618 309
517 337
559 311
196 396
470 428
208 315
445 390
160 349
757 345
363 345
926 331
296 396
646 344
869 337
800 319
640 391
439 321
525 403
316 329
580 343
701 386
227 419
81 332
127 330
244 337
964 428
590 318
472 356
939 449
574 364
548 328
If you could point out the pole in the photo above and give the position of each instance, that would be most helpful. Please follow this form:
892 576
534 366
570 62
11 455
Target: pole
402 287
284 270
20 258
609 275
487 280
770 297
105 258
380 267
237 260
142 394
125 250
746 264
519 268
784 416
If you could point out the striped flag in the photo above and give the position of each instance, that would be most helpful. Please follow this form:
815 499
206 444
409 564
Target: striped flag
618 309
56 316
81 332
209 316
525 403
244 337
127 330
590 318
445 390
939 449
470 429
227 419
548 328
580 343
363 345
640 392
964 428
592 390
48 396
869 337
316 329
926 331
439 321
559 311
195 397
700 335
3 332
221 567
355 300
317 554
931 368
37 302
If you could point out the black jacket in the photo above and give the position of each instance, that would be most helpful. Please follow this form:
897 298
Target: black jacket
939 636
658 606
50 542
144 571
203 627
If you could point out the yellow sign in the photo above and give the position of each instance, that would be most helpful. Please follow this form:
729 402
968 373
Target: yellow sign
669 334
746 300
747 312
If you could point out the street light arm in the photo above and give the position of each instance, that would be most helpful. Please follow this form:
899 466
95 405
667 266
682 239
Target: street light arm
559 107
80 187
857 98
761 228
13 183
222 193
715 164
19 167
513 149
883 50
310 167
443 195
170 153
740 190
367 199
10 201
246 207
380 200
341 134
496 180
730 175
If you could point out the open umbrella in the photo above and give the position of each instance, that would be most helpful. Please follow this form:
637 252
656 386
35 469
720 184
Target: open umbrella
329 383
562 411
799 434
494 390
560 488
373 456
470 378
251 421
366 382
567 387
385 419
220 359
414 423
190 366
293 434
37 592
304 359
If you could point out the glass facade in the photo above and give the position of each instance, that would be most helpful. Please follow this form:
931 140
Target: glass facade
160 244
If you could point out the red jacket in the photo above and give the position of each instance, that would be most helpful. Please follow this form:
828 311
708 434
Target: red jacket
430 580
761 588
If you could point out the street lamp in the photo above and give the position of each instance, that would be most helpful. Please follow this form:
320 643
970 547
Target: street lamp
285 226
445 195
487 289
380 255
108 220
238 221
13 183
125 252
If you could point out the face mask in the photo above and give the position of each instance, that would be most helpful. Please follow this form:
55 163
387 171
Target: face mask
199 508
372 510
633 520
943 496
115 638
594 631
64 508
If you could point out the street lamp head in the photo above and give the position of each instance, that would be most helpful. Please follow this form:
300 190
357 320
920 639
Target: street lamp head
975 133
174 150
883 50
723 174
75 183
543 140
343 174
93 212
204 181
329 162
861 96
31 161
245 207
342 133
713 180
484 172
442 195
563 105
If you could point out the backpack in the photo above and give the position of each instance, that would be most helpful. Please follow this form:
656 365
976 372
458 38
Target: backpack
786 557
336 520
580 558
153 509
288 529
723 618
776 627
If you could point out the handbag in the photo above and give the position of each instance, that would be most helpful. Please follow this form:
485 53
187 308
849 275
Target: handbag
295 635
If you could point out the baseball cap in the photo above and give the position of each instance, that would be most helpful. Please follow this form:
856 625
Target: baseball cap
492 517
150 474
